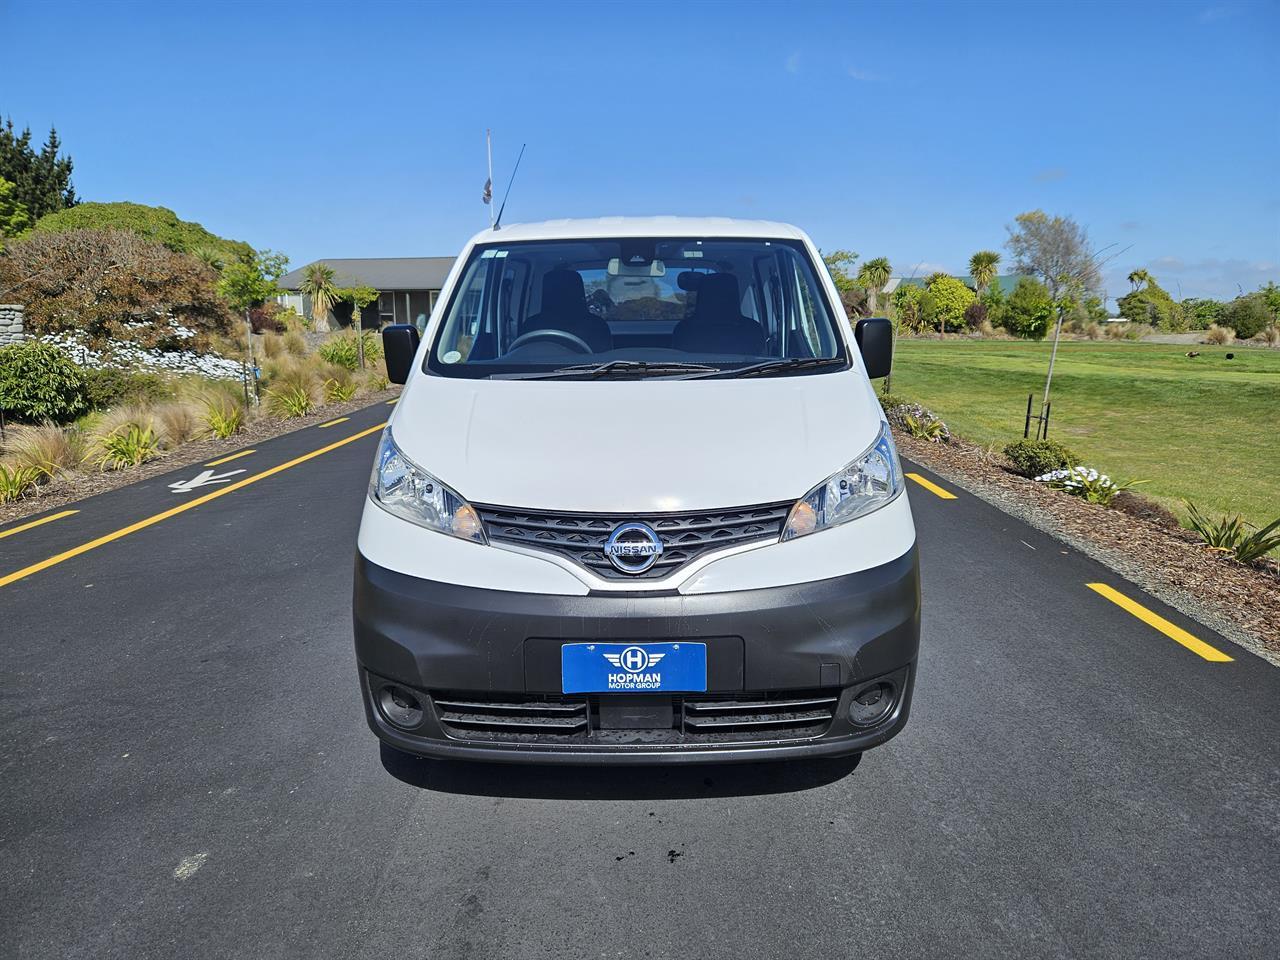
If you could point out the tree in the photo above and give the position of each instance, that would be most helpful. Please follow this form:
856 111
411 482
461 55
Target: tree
872 278
245 284
982 268
113 286
839 263
13 215
1028 310
1201 313
317 283
1149 303
951 298
359 298
1056 250
1138 277
154 223
42 181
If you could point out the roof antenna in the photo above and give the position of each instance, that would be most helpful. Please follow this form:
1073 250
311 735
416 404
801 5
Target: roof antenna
498 222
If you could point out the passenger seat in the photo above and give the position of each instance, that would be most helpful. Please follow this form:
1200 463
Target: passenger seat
717 324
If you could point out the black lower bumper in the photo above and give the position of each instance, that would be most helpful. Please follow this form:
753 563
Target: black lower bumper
784 666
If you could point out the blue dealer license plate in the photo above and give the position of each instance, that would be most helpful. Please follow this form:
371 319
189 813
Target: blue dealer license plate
633 667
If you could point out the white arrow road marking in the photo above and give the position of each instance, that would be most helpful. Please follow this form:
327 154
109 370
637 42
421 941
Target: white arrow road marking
205 478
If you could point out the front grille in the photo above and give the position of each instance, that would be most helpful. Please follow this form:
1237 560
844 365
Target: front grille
685 536
698 718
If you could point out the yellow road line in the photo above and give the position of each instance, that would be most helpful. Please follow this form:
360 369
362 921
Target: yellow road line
37 523
1170 630
932 487
392 401
182 508
333 423
234 456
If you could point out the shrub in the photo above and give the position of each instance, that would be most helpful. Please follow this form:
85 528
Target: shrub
128 445
48 449
1093 330
1028 310
1219 335
1228 535
1087 483
1248 315
267 319
107 387
337 392
342 349
1033 458
951 299
223 415
1271 336
16 482
918 422
109 285
39 382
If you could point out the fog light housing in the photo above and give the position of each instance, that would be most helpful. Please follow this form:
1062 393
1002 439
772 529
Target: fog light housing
399 707
872 703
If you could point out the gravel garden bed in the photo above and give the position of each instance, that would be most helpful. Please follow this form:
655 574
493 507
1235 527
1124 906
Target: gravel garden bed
1133 538
68 488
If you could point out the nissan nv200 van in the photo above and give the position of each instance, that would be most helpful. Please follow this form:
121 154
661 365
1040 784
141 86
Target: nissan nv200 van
637 503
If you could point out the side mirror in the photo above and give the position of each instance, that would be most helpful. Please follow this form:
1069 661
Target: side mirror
875 341
399 346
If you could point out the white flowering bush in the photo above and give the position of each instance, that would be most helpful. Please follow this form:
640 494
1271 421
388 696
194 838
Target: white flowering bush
1086 483
119 355
918 421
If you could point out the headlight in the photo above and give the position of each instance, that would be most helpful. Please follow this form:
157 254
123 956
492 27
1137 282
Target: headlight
401 487
865 485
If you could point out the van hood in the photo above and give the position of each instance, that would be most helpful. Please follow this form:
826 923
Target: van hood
635 446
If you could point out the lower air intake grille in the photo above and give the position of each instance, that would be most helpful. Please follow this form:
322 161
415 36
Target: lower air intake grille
685 536
697 718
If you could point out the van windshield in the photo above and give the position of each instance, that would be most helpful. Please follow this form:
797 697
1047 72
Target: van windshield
637 307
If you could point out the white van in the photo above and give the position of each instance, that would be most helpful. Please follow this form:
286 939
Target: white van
637 503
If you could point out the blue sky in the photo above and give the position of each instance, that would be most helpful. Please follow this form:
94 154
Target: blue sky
914 131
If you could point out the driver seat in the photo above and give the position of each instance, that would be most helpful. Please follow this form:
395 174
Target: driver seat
564 307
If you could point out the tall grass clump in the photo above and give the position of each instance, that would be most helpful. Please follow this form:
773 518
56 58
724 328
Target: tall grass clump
47 449
178 422
273 345
295 344
339 385
293 390
1219 335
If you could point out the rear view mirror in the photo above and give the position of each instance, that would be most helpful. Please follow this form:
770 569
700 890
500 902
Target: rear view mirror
875 341
399 346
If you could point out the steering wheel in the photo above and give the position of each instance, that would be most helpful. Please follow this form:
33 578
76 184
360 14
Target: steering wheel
549 333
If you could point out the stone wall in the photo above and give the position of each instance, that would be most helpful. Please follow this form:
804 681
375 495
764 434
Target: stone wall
10 323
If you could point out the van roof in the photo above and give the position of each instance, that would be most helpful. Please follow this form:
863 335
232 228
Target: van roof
640 227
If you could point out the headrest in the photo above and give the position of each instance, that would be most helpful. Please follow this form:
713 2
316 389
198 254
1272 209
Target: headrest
718 298
563 292
689 280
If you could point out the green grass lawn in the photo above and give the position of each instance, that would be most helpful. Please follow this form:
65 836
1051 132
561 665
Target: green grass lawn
1204 429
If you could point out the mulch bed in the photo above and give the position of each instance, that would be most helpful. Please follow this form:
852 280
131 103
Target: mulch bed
69 488
1142 542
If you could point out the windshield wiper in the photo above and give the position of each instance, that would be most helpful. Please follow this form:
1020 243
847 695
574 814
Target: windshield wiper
643 368
769 367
